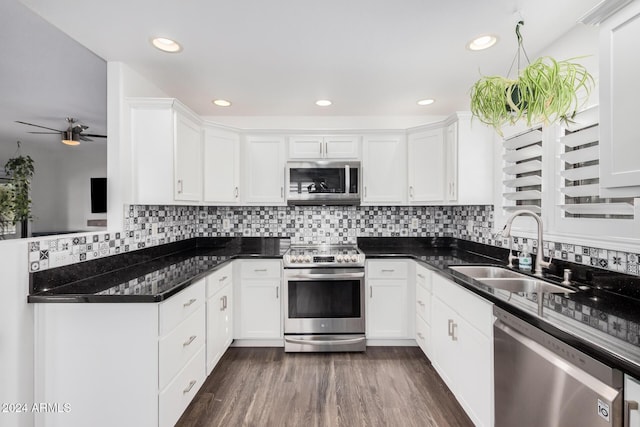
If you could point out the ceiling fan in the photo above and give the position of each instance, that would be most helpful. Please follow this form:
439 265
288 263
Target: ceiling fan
72 135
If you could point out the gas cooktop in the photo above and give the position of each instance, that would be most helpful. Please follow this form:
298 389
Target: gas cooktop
323 256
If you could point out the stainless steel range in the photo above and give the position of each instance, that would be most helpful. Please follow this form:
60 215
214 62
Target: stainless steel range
324 299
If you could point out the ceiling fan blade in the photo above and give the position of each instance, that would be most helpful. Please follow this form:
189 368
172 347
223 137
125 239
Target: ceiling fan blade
94 135
47 133
82 137
38 126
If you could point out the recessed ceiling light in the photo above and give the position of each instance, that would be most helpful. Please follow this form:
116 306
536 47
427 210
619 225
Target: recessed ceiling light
222 102
482 42
166 45
323 103
426 101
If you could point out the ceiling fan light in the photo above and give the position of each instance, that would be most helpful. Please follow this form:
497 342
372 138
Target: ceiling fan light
68 139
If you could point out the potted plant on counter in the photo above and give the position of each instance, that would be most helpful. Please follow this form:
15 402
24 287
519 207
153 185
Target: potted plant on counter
545 91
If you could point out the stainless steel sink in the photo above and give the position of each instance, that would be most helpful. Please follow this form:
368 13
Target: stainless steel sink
482 271
509 280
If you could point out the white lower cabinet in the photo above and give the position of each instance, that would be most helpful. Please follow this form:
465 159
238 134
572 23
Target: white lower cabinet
389 294
632 401
219 314
462 333
258 311
423 309
120 364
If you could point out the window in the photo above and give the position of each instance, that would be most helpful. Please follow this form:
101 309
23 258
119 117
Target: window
523 172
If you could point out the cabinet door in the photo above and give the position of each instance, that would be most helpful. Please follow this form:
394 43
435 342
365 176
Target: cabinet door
474 374
264 171
188 160
387 308
260 315
632 398
342 147
451 156
383 166
445 353
306 147
619 86
426 167
221 152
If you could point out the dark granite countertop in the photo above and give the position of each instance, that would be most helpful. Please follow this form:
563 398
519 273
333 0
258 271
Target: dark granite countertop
148 275
601 318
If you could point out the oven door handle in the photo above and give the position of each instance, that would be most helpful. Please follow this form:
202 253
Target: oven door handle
325 342
332 276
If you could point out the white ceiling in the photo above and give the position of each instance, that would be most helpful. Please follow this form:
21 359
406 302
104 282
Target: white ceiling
371 57
45 76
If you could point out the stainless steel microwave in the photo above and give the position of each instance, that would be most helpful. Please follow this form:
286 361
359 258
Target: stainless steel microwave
323 182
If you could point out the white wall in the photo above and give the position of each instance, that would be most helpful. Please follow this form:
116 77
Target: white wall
16 332
122 82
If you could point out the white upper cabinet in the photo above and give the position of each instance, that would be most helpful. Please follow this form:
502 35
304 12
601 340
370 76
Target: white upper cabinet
264 177
619 87
384 159
188 159
324 147
469 160
165 147
221 154
426 167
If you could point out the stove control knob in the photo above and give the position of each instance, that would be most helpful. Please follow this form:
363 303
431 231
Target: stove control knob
307 258
354 258
299 258
339 258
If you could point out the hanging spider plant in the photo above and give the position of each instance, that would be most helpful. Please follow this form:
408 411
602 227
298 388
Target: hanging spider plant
545 91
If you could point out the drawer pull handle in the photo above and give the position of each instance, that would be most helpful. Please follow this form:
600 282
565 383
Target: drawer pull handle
449 328
420 336
453 332
191 301
189 341
421 276
260 270
223 304
421 303
189 387
223 278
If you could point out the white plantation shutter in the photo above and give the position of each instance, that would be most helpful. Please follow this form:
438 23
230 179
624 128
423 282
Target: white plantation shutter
522 168
580 171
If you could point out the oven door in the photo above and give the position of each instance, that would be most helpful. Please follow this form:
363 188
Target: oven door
324 301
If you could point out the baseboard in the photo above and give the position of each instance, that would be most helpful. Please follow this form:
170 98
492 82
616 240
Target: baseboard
391 343
279 342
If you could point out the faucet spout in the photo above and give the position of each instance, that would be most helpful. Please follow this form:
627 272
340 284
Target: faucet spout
506 232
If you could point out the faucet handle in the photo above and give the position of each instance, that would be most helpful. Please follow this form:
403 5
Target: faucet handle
543 263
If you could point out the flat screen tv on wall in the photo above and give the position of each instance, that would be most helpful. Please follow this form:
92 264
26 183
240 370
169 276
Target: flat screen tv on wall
98 195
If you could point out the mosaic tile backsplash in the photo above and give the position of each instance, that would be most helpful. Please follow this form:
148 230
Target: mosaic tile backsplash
146 226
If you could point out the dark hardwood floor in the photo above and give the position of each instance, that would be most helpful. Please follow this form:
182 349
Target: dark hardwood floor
265 387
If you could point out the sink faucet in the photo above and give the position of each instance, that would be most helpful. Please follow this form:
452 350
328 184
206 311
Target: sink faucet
540 262
506 232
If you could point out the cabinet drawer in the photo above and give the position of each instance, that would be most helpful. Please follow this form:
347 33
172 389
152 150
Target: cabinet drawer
423 304
176 397
387 269
178 307
423 336
260 269
180 345
423 278
469 306
219 279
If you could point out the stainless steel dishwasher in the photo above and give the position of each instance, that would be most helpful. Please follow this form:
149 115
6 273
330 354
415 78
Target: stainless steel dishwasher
543 382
